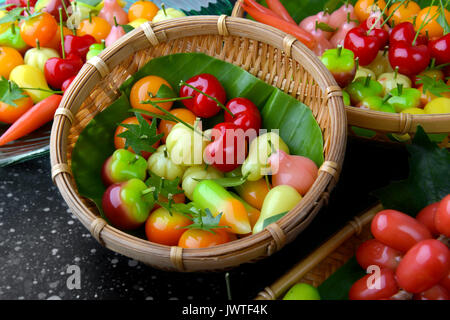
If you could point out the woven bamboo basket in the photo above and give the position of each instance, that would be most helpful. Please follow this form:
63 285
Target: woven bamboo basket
263 51
382 123
326 259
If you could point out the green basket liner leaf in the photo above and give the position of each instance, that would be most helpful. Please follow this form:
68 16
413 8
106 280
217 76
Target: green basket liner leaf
96 142
428 181
94 145
337 286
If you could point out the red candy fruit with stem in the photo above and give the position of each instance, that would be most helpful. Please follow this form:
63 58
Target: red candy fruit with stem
364 46
203 88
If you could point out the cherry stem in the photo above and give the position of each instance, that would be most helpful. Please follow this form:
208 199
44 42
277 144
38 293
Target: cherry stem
65 7
385 50
392 13
61 28
379 18
163 6
165 100
28 8
207 95
396 72
424 22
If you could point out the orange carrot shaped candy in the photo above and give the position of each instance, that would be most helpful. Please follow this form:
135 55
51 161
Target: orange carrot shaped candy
209 194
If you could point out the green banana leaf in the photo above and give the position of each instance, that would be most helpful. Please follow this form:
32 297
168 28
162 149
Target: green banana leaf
94 145
294 120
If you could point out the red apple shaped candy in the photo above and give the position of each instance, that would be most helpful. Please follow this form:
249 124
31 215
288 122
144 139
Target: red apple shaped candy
296 171
127 205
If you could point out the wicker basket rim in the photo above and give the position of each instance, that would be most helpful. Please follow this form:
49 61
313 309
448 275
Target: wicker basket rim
235 27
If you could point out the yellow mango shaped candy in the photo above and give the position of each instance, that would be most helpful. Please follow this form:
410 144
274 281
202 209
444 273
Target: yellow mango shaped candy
26 76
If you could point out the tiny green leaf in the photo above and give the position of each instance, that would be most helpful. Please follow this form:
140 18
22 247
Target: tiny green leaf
127 28
141 137
10 91
435 87
13 15
165 92
428 181
273 219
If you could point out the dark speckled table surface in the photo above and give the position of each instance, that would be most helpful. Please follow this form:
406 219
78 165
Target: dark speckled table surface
41 240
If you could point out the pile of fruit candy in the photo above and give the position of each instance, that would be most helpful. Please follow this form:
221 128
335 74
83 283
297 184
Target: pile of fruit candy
156 166
412 256
387 58
43 46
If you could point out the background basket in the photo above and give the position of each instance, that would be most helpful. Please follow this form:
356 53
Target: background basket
325 260
263 51
383 124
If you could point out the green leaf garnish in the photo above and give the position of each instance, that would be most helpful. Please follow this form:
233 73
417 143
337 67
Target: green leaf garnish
164 187
141 137
13 15
10 91
204 220
435 87
273 219
127 28
165 92
428 181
